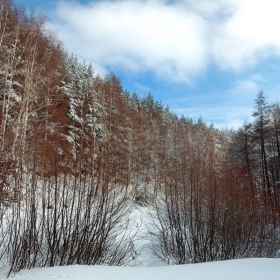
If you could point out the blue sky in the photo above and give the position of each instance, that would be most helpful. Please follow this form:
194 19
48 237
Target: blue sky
204 58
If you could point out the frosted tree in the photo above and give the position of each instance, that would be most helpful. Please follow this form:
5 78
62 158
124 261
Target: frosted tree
83 105
260 137
10 50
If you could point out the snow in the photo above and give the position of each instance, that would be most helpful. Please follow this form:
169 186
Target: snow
246 269
139 223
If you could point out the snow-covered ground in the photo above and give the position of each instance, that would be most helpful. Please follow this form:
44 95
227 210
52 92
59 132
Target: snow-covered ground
247 269
139 224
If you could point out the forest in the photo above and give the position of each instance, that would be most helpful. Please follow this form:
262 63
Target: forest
77 151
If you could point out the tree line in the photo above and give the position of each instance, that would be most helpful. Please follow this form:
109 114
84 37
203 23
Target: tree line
257 148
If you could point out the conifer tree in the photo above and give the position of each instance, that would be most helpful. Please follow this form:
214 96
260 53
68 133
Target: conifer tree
260 137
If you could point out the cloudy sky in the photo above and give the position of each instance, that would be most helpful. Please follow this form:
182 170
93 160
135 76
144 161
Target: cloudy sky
204 58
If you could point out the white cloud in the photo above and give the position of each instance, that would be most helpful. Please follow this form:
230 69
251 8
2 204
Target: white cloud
232 113
241 96
136 35
257 21
258 77
250 85
246 86
250 34
176 41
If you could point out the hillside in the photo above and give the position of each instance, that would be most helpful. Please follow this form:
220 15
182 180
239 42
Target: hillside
78 153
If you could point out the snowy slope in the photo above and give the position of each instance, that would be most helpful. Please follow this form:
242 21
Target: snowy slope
247 269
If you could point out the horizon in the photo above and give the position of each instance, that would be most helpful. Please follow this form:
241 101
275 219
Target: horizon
207 58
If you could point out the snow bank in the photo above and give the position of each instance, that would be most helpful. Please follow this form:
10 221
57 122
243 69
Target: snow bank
246 269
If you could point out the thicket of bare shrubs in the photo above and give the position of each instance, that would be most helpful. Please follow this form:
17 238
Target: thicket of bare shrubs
208 212
65 219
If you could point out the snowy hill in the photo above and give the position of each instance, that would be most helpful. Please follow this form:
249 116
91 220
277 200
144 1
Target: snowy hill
246 269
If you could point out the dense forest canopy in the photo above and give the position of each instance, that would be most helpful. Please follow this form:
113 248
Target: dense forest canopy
76 149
